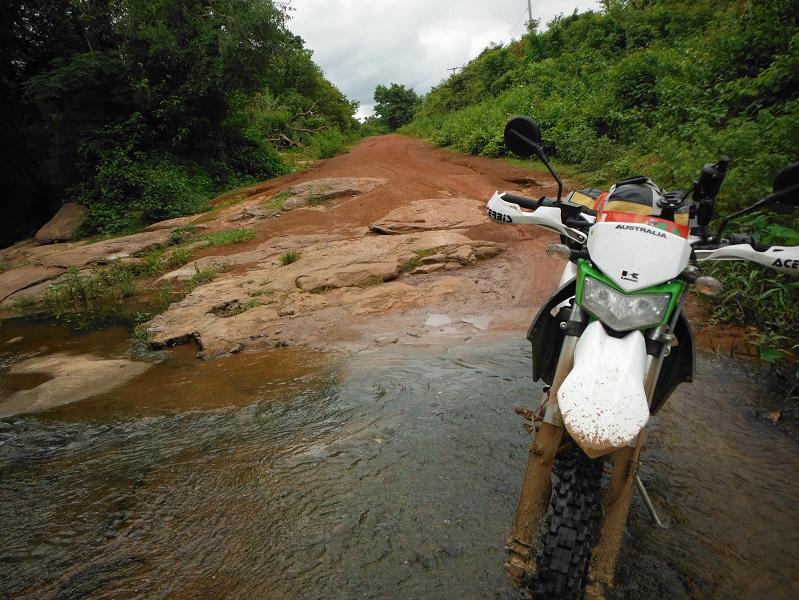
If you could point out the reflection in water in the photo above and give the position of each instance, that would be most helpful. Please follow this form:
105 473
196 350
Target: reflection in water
390 475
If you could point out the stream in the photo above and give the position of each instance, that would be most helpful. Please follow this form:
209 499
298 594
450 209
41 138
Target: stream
391 473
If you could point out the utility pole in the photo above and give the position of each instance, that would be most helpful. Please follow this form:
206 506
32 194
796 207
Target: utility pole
529 13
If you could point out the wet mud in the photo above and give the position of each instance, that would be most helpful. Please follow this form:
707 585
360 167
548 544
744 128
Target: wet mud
391 473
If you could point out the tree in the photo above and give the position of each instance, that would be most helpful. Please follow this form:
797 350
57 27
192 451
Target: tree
396 105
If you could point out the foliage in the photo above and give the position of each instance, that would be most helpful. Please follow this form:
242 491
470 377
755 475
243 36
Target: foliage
290 256
395 105
230 236
277 201
145 109
657 87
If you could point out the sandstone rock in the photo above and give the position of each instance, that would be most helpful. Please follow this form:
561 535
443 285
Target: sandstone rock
63 225
106 250
175 223
74 377
429 268
332 277
320 191
17 280
435 258
435 213
309 193
348 275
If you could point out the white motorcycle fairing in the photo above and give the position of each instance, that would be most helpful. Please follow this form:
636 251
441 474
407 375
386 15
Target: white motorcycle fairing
636 255
548 217
784 259
602 400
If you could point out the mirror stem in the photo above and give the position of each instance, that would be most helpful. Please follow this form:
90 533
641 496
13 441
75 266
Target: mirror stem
540 152
749 209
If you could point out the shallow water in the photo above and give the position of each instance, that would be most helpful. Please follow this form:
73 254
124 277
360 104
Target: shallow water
391 474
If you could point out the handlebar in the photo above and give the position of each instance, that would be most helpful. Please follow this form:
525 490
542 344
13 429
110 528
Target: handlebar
570 209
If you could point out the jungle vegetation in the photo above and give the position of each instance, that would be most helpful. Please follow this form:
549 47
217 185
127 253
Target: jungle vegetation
144 109
655 87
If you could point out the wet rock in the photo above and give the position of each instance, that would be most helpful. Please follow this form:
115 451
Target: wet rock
73 378
18 280
63 226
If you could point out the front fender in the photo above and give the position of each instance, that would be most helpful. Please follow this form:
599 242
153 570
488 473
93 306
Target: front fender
602 400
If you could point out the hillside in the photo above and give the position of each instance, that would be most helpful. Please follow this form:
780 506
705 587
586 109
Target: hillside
656 87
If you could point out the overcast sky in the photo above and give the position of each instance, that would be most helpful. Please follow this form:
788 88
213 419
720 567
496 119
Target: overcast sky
360 43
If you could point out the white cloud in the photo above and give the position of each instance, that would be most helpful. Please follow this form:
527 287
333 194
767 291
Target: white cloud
361 43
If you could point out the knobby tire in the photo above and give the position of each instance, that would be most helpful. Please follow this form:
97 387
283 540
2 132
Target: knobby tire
571 527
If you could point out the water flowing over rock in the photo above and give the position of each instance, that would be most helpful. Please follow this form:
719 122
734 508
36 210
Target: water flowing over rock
72 378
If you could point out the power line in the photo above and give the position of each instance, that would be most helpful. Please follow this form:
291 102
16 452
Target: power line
518 21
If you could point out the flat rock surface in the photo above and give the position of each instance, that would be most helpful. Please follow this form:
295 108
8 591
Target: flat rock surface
435 213
107 250
72 378
63 226
314 193
17 280
302 288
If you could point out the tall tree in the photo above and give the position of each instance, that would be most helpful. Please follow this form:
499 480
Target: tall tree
396 105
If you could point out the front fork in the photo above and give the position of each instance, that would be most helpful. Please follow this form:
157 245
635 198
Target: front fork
547 440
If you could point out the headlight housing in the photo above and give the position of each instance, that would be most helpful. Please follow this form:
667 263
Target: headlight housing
623 312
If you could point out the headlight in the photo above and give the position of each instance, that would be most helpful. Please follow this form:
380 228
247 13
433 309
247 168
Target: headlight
622 312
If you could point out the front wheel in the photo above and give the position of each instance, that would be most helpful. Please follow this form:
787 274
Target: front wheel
572 524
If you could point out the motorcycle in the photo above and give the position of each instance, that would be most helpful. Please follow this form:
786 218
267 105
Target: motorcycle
611 345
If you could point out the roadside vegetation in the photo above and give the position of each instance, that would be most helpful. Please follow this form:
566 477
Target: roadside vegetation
657 87
144 110
128 290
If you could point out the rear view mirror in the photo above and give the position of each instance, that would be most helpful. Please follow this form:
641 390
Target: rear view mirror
786 185
523 137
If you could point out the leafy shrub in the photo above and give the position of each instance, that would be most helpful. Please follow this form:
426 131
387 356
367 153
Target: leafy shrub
659 88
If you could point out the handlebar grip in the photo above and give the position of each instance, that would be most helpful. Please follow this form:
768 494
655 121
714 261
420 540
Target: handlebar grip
522 201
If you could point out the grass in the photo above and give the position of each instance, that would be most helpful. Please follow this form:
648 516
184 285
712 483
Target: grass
371 281
181 234
413 262
277 201
203 275
23 303
228 237
290 256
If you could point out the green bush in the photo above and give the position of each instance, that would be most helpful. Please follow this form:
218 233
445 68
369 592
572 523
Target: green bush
656 88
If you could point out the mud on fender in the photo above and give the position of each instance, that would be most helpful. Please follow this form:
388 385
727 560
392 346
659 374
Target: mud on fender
602 400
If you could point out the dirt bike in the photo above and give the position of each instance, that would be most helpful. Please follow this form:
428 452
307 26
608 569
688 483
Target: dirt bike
611 345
